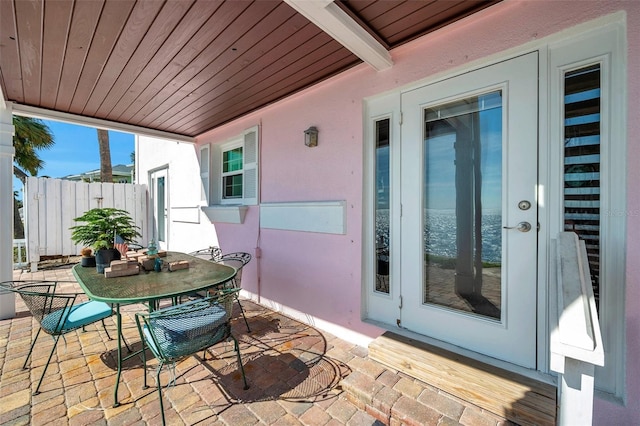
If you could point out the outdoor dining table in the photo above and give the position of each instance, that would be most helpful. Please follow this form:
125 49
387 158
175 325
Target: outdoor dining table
149 287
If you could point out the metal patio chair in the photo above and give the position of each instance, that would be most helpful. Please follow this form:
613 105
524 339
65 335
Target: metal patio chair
57 313
179 331
211 253
237 260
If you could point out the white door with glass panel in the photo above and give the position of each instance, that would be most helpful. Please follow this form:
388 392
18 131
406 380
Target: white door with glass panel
469 215
159 201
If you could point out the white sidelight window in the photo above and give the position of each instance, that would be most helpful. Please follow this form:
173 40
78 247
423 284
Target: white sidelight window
587 146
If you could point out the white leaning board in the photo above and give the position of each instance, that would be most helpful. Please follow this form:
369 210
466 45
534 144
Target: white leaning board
327 217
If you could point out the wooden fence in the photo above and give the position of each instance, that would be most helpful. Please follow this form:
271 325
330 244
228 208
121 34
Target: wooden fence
52 204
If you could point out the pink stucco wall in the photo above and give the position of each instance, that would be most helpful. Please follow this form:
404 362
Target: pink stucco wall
320 274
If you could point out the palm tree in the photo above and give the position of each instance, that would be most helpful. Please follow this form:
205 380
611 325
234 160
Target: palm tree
132 156
30 135
106 173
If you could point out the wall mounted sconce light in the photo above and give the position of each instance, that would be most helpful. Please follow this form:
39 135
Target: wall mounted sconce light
311 136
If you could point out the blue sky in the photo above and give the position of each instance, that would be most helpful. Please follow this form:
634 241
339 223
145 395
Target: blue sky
76 150
440 155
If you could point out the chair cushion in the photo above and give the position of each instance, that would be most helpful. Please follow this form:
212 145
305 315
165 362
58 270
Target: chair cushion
184 334
76 316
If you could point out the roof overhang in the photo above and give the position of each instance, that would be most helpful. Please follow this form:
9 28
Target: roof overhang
177 69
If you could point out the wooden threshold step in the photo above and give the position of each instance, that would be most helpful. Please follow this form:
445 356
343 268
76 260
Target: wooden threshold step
521 399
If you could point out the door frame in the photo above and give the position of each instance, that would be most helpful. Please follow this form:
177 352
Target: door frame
164 170
388 105
608 33
513 336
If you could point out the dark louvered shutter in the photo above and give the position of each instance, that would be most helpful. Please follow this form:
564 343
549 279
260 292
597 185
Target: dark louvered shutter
582 163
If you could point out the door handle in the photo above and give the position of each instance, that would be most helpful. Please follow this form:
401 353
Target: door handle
522 227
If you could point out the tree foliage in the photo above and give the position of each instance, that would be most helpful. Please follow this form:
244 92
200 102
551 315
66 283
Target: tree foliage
30 135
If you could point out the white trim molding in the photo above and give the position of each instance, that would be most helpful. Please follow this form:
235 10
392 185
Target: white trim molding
65 117
341 27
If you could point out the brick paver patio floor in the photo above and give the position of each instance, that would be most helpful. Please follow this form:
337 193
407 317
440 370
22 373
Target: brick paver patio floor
295 373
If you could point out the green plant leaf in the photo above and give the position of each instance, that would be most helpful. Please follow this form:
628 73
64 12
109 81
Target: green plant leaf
98 228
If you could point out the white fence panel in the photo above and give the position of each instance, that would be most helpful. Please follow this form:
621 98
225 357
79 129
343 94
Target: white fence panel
68 199
52 204
19 253
96 196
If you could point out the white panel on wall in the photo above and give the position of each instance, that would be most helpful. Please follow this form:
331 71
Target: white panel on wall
328 217
185 214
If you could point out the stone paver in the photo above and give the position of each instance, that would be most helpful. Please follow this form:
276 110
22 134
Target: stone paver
297 376
408 387
441 404
411 412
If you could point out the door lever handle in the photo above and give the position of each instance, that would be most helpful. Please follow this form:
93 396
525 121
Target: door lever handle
522 227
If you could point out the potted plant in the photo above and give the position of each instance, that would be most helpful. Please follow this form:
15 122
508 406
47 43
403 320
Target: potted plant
99 231
88 259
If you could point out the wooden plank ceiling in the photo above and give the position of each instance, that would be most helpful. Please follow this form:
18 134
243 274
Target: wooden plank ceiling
186 66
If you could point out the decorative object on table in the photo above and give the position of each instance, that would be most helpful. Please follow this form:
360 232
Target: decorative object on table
101 225
153 252
179 331
147 263
134 255
157 264
122 268
178 264
56 312
121 245
152 248
87 259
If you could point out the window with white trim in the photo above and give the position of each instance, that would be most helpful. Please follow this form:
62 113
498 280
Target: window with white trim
233 170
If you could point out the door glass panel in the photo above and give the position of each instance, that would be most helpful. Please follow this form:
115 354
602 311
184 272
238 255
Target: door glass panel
462 228
382 205
161 207
582 163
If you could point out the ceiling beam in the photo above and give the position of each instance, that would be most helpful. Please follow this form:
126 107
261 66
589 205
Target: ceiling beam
48 114
338 24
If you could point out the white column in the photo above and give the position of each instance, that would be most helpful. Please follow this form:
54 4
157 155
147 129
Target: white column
576 341
7 301
576 393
